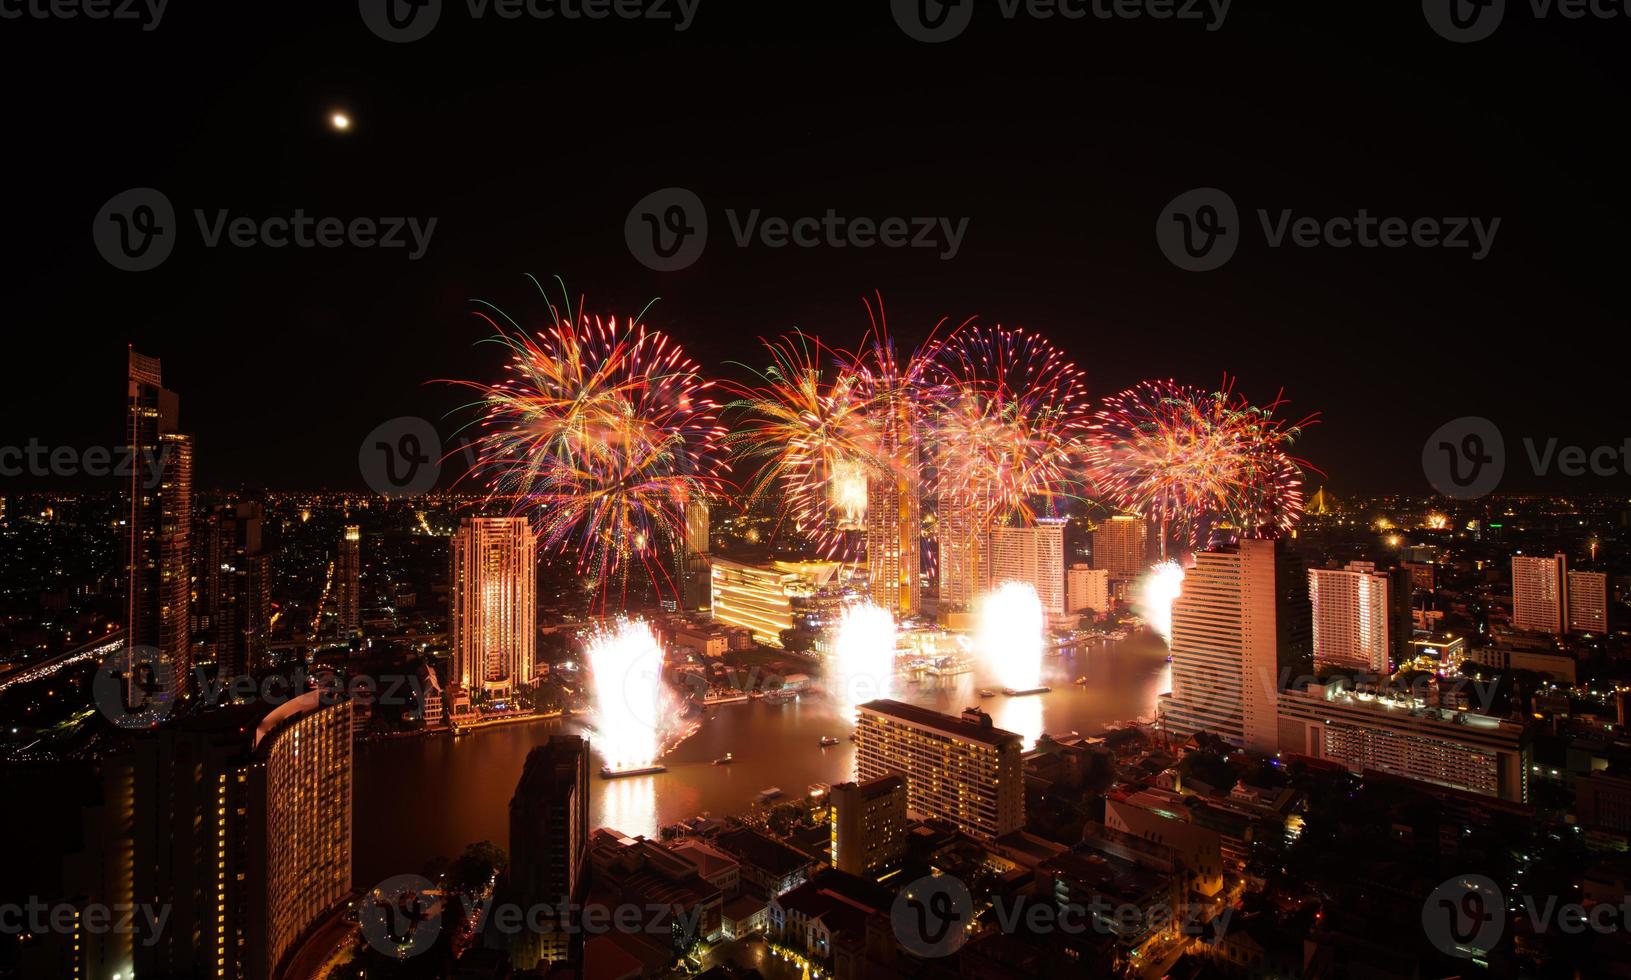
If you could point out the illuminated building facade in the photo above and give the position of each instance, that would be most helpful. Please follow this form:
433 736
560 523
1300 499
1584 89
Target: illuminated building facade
1035 556
964 573
691 560
492 605
960 769
868 824
549 843
1087 589
1240 627
1588 602
894 520
767 599
1355 620
1540 595
1121 546
348 580
1405 737
158 520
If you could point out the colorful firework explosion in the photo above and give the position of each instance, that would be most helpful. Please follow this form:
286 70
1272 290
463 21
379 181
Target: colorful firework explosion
603 434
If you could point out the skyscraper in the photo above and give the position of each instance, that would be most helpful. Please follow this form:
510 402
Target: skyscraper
894 520
348 580
1355 617
1240 631
1588 602
1035 556
960 769
158 521
691 559
964 564
1121 546
237 590
492 605
549 834
1540 594
1087 589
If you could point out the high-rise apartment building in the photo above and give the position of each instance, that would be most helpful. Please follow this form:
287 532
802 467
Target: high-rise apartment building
1121 546
1240 631
894 523
158 522
868 824
348 580
1035 556
492 605
1588 602
1406 737
963 564
549 835
960 769
1357 621
1087 590
691 559
237 590
1540 596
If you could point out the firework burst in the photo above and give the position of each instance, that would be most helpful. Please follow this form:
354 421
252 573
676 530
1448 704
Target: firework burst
1009 423
603 433
1206 464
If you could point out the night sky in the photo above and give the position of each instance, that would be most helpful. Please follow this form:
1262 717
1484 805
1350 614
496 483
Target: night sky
1060 141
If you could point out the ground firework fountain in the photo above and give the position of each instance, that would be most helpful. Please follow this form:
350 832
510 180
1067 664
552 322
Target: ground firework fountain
864 656
635 713
1157 591
1010 637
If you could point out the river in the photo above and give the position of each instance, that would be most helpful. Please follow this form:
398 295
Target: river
421 798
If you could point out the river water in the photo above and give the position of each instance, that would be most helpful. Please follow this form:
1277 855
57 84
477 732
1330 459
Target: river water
421 798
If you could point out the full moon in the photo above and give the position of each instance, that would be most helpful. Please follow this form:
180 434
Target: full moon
340 121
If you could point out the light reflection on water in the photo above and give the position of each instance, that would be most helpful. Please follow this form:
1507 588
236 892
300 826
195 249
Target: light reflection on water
421 798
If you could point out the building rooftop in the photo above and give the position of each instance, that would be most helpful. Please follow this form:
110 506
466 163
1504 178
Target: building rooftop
952 725
763 852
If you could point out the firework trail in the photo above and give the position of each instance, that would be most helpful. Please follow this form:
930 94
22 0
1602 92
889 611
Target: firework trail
602 433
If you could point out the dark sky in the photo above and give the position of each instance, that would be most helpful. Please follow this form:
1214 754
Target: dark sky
1060 141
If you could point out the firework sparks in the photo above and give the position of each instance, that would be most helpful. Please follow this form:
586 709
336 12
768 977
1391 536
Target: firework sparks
1157 591
634 711
1197 462
603 433
864 655
1010 635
